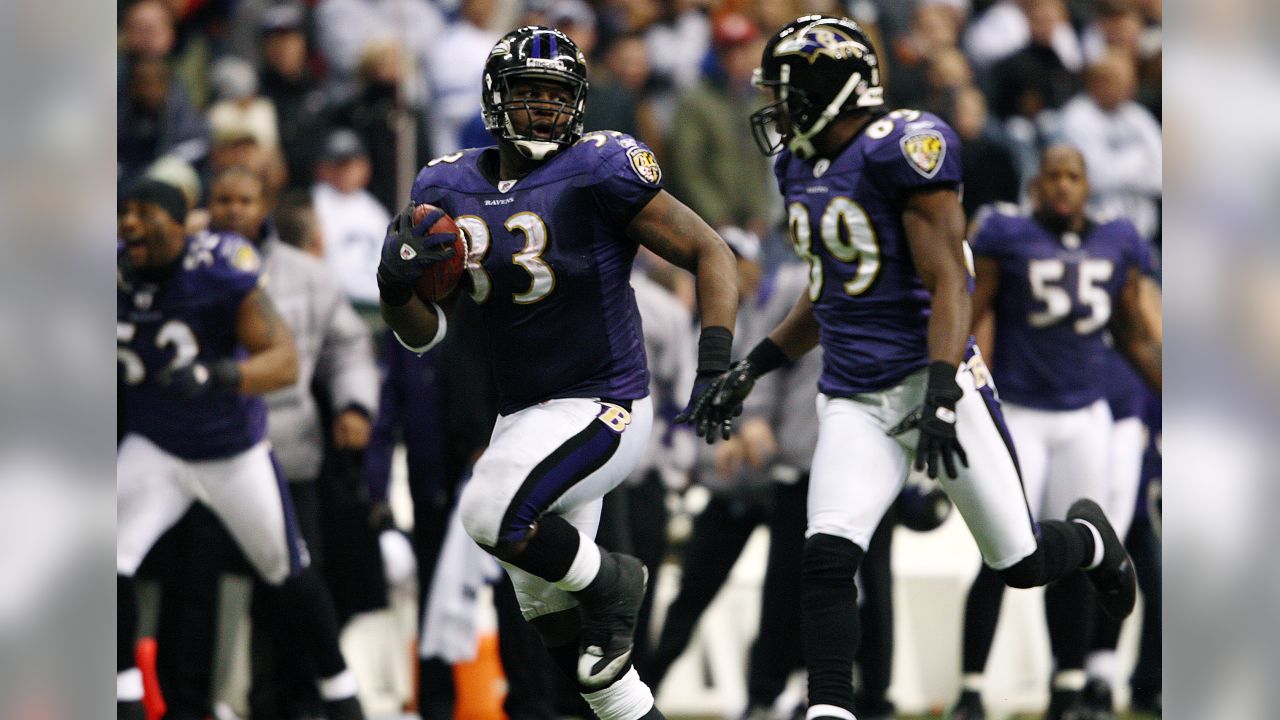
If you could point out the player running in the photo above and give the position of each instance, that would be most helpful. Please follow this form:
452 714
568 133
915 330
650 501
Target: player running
874 208
554 218
197 344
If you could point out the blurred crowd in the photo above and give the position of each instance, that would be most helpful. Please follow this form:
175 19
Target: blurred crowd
304 123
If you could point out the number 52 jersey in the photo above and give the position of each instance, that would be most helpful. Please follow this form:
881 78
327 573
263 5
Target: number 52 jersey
189 316
845 218
550 265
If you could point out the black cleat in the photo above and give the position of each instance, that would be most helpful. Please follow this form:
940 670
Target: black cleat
968 707
1114 582
1096 699
130 710
346 709
609 626
1065 705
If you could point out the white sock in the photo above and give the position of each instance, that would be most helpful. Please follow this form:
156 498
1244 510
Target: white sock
129 685
1102 664
1098 550
584 568
338 687
1069 680
628 698
817 711
972 682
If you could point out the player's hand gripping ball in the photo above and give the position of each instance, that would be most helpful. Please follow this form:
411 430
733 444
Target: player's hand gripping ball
438 230
424 254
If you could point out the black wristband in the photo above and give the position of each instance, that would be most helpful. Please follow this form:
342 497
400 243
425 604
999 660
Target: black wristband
766 357
393 293
942 376
715 346
225 375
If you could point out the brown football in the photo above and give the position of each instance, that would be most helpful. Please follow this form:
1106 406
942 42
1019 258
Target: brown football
440 279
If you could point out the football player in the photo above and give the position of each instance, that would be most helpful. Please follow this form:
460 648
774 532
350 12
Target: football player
554 218
874 207
1052 284
197 344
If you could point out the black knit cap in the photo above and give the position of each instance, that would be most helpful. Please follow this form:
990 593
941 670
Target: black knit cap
168 197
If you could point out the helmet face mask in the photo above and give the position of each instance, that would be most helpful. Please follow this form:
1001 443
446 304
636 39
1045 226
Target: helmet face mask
535 91
818 67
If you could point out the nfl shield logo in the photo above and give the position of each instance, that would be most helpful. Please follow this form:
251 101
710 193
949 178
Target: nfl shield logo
407 253
925 150
143 299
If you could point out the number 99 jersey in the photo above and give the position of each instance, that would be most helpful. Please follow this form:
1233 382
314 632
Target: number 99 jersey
549 263
845 219
189 316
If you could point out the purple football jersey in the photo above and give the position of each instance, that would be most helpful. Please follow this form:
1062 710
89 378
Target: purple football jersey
550 265
845 217
188 317
1055 300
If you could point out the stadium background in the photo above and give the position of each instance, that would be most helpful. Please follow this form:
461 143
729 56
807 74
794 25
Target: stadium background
205 85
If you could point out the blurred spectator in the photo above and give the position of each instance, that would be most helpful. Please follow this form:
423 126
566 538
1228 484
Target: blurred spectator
347 27
1120 26
458 56
297 225
288 83
1037 77
352 221
153 120
711 166
934 27
146 30
947 72
576 19
1121 143
991 173
619 85
375 114
239 105
239 147
1004 28
334 349
678 43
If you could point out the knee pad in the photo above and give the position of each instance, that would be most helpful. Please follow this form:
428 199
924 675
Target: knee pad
1027 572
829 559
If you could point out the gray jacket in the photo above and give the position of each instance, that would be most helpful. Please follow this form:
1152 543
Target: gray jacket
333 345
786 397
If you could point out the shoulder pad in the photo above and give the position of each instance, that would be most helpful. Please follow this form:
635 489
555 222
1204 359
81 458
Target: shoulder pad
438 170
619 150
222 251
920 140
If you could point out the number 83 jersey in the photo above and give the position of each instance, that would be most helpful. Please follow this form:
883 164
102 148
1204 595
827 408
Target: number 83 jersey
845 219
550 265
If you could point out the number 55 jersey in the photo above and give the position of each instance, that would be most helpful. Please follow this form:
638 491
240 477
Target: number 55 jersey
549 265
845 218
1055 300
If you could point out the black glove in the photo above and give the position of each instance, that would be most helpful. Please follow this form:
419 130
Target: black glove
714 346
937 423
407 252
197 379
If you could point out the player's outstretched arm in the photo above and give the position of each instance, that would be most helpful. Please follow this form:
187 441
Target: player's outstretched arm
273 361
415 322
676 234
1137 329
985 288
797 334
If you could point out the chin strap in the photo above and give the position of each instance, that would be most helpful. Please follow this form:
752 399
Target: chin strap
536 149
